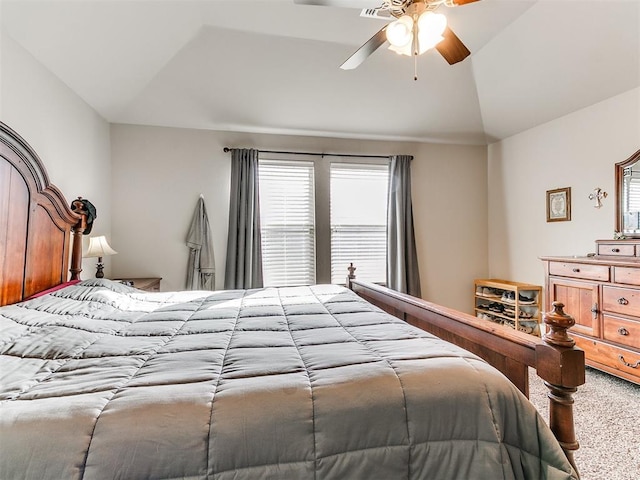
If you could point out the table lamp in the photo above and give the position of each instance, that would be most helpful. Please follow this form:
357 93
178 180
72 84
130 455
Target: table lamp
98 247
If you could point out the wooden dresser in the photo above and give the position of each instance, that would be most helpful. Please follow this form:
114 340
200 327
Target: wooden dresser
602 293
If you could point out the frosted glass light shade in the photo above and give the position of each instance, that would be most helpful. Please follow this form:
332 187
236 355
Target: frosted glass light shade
400 32
427 42
430 27
432 24
98 247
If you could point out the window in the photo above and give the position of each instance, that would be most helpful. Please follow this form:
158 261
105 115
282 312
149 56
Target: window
318 214
359 220
287 222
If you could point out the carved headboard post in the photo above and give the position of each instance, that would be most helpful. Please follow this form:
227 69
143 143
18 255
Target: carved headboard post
77 230
559 348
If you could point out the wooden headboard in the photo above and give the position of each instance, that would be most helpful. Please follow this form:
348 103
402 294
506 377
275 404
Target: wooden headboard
36 224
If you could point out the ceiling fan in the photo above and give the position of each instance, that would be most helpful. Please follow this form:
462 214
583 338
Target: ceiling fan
415 29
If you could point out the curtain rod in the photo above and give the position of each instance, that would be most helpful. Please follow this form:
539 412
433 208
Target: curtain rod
227 149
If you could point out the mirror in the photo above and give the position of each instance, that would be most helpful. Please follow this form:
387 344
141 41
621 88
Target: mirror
628 196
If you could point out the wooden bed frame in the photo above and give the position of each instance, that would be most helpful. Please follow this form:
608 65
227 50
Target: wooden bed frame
37 226
555 357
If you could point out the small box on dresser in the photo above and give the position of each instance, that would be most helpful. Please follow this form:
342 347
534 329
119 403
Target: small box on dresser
602 293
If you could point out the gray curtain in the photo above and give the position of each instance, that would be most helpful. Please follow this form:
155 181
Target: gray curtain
244 251
402 258
201 270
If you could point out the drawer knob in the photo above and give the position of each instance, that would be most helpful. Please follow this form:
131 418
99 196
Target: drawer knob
623 331
576 270
615 250
626 364
623 301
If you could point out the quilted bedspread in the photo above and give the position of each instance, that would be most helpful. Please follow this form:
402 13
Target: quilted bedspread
102 381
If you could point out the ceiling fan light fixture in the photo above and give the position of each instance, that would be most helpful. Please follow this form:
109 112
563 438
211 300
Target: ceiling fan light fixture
400 32
434 24
404 50
427 42
430 26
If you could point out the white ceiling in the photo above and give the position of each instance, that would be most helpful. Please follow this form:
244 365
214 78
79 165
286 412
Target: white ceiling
272 66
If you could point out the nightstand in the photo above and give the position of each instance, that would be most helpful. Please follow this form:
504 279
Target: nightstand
146 284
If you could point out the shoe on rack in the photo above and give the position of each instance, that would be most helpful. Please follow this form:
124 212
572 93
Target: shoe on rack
509 297
490 292
525 328
496 307
529 327
524 299
525 314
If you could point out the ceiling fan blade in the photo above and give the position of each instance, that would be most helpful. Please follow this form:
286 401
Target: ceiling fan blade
365 50
452 48
463 2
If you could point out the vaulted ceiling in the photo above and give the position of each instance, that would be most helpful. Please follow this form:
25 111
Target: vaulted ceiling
272 66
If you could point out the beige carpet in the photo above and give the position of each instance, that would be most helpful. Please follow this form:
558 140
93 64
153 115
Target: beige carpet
607 415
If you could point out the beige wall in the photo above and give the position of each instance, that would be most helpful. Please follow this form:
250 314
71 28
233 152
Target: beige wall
158 174
577 151
69 136
450 211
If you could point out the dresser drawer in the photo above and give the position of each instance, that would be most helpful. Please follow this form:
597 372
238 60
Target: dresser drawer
617 249
617 360
621 330
580 270
621 300
628 275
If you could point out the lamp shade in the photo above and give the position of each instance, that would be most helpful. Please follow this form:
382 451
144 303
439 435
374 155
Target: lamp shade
98 247
431 26
399 33
433 23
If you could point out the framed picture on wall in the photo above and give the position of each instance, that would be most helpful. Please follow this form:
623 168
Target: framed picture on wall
559 205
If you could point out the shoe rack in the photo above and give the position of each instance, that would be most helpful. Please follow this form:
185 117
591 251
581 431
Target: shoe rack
514 304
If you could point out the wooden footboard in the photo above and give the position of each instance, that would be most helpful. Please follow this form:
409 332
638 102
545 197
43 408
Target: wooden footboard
554 356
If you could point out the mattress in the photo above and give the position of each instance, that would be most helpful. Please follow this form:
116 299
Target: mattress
102 381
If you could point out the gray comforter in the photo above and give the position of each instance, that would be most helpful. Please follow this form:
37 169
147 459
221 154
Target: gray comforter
100 380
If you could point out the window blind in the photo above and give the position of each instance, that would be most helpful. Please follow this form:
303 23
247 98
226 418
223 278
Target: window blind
631 199
358 221
287 222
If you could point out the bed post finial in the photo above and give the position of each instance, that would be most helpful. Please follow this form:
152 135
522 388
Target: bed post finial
558 348
559 322
352 274
78 229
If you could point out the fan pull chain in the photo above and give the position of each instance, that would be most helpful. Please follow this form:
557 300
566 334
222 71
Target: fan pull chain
416 47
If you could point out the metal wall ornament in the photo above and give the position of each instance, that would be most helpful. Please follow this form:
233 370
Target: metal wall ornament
597 196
